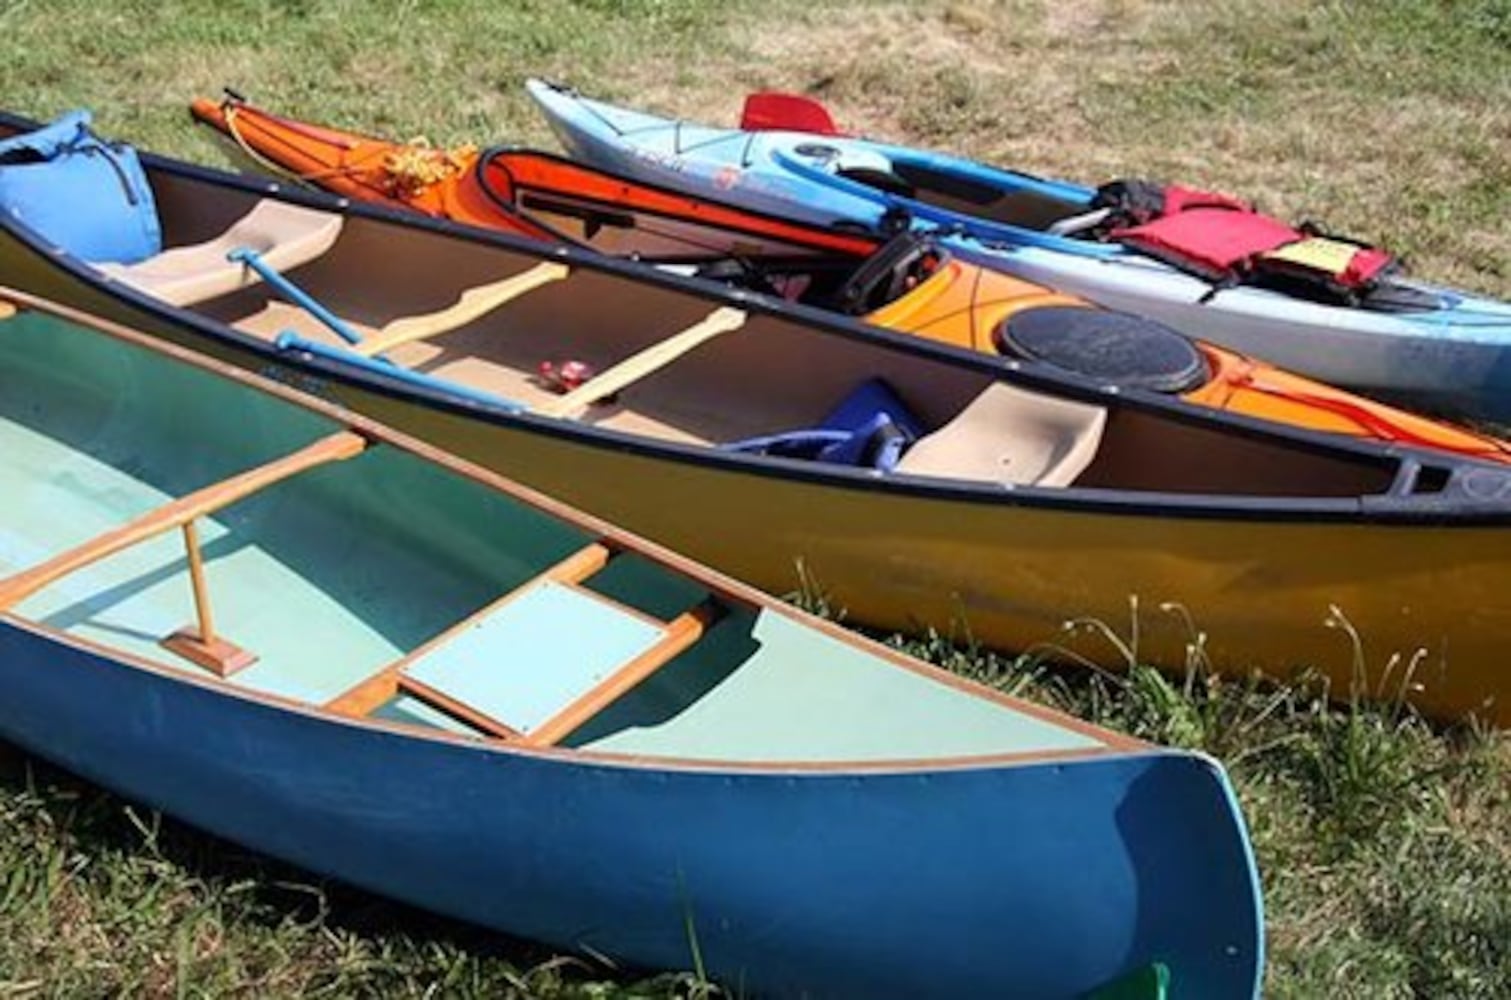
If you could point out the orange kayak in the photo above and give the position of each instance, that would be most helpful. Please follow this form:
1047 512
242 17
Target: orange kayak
931 294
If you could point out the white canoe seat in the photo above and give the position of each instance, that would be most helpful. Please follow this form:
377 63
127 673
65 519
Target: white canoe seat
1011 435
283 235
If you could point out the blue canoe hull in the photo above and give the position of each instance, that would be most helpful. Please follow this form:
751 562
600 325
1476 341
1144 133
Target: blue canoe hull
1451 358
1044 879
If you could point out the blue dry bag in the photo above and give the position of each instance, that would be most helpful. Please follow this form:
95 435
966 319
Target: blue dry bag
85 195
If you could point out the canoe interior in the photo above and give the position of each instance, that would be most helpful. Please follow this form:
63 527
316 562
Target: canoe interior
772 375
335 573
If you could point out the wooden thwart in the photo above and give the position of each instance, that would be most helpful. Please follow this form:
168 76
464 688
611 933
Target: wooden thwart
372 692
473 303
651 359
7 310
18 587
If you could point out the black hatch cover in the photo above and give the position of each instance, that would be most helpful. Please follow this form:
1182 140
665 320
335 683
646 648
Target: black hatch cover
1110 347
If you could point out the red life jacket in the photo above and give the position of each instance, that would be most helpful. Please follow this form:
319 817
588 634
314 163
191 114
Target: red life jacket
1225 241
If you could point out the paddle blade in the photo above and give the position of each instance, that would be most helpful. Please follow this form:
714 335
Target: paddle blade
772 111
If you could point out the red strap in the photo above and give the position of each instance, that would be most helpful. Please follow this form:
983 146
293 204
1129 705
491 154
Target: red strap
1182 199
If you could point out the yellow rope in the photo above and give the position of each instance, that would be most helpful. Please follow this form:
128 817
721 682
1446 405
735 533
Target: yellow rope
417 165
231 111
411 168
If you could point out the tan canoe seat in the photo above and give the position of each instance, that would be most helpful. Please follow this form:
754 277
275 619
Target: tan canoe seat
1011 435
284 235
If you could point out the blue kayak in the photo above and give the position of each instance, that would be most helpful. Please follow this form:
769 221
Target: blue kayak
1428 344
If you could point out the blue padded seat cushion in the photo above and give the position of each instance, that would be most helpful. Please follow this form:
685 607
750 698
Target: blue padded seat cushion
80 193
870 428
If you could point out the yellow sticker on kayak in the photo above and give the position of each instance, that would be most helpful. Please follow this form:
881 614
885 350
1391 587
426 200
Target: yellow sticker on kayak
1317 253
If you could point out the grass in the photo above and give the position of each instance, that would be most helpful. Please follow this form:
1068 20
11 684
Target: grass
1384 843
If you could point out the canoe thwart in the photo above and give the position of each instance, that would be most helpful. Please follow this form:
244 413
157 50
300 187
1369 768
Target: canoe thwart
651 359
472 304
679 633
177 513
7 310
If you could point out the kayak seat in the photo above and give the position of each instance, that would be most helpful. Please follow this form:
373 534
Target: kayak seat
283 235
1011 435
871 427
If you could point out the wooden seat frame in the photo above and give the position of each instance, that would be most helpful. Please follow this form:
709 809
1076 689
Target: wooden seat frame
388 683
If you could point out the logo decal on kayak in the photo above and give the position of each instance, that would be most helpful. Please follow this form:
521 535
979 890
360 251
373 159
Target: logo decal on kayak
726 178
657 158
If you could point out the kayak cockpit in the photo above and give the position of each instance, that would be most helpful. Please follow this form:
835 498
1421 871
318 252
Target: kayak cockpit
1024 204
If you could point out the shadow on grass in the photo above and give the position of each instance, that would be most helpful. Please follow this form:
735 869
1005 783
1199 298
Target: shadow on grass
314 921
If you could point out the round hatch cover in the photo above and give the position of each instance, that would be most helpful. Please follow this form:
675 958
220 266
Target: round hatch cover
1107 346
